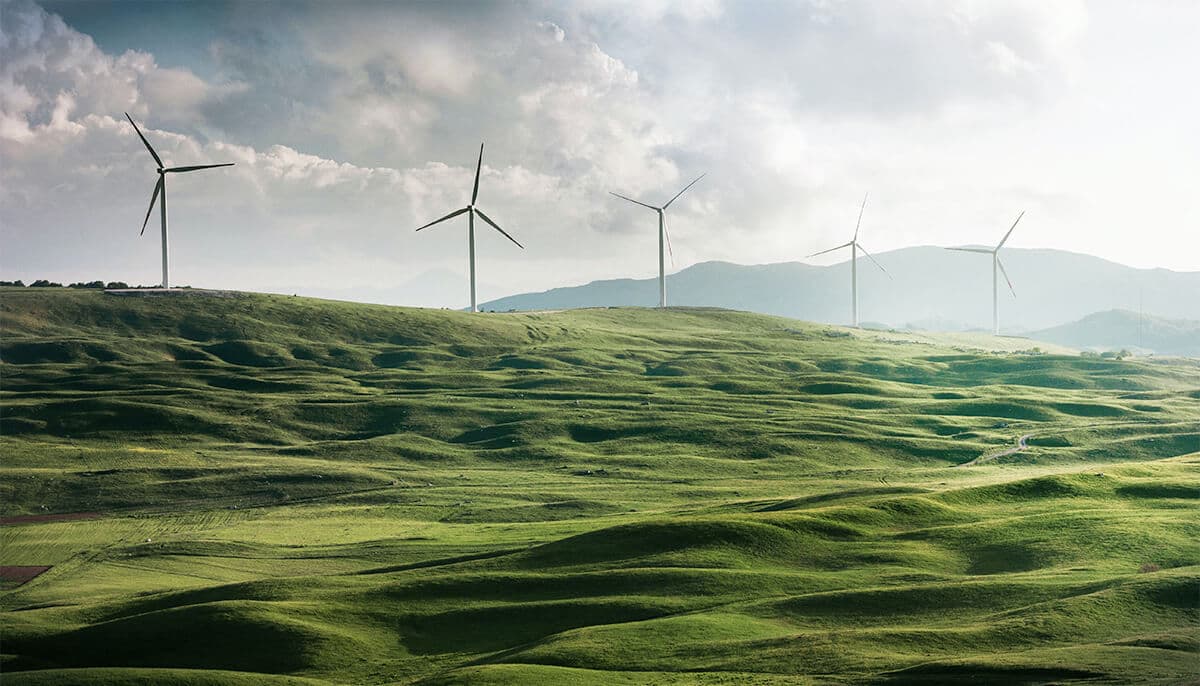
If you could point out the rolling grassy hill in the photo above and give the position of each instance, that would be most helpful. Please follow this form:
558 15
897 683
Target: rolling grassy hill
265 489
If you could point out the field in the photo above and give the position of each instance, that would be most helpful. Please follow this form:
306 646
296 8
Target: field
277 490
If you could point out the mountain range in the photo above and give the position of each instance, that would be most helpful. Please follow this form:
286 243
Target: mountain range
925 287
1123 329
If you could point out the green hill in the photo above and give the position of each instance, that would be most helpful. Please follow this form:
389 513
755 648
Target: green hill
267 489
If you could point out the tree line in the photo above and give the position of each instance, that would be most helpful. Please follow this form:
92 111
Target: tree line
43 283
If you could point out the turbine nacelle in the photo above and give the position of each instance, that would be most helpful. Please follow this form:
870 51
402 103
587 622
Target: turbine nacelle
855 246
160 189
472 211
997 266
664 236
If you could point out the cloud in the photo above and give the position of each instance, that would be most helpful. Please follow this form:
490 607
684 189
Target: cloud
861 58
43 61
352 124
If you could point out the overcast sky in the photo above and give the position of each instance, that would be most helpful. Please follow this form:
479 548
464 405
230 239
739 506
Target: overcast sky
353 123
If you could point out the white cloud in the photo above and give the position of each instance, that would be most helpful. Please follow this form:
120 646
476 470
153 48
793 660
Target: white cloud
554 31
350 125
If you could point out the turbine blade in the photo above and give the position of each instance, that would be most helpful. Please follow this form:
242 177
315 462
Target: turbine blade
452 215
636 202
860 247
843 245
198 166
1010 230
1008 280
496 226
684 190
153 198
979 250
478 168
860 214
144 141
667 235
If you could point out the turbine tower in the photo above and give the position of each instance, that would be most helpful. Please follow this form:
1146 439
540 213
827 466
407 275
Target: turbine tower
855 246
996 265
160 188
663 237
472 211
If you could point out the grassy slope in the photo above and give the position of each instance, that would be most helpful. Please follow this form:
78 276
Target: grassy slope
367 494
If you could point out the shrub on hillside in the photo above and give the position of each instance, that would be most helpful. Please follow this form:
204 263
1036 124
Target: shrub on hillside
18 283
87 284
116 284
42 283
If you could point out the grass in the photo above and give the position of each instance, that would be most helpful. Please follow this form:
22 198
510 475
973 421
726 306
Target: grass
322 492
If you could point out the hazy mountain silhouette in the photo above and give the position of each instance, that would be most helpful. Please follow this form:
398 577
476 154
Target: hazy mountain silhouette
932 288
1117 329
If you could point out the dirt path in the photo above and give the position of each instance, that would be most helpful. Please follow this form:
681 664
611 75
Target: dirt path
1021 445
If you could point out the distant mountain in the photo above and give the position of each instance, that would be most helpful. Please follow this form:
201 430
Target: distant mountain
1117 329
930 288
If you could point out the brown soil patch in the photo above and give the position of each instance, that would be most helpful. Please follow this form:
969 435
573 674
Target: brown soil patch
18 575
42 518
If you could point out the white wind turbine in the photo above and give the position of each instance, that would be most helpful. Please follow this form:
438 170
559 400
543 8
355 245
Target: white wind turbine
472 211
855 246
160 188
663 237
996 265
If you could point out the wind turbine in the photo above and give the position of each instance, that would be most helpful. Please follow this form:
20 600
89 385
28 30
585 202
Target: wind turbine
855 246
472 211
663 237
996 264
161 188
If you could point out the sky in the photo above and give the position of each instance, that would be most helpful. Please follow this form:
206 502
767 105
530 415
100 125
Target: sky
353 123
